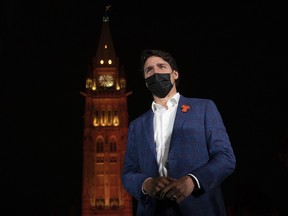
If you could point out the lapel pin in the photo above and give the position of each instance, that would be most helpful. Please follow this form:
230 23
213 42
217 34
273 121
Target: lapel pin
185 108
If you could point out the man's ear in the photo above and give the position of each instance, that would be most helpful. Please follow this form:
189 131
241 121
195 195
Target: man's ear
175 74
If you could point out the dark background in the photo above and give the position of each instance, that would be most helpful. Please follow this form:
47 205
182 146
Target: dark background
233 53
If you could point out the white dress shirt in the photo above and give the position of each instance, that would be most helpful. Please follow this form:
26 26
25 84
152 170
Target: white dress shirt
163 126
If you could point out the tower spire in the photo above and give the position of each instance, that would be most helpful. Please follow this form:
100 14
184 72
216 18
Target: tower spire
106 18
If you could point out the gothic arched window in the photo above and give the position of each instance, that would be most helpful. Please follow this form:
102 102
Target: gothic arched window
100 145
112 144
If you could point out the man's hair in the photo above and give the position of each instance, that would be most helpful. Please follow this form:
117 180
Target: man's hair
166 56
162 54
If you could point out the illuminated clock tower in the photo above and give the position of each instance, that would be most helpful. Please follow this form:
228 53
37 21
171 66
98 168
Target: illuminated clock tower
105 133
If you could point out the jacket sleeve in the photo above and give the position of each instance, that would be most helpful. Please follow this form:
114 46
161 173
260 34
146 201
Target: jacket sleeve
132 178
222 160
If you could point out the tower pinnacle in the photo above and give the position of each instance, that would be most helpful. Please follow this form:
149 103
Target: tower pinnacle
106 18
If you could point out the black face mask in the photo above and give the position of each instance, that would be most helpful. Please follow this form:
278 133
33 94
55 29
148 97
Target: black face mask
159 84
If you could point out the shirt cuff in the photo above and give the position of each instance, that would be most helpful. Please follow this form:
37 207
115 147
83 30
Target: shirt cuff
196 180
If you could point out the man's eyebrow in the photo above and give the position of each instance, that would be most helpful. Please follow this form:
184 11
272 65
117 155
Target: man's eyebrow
158 65
162 63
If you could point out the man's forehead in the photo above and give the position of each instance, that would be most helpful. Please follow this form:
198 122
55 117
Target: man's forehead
155 60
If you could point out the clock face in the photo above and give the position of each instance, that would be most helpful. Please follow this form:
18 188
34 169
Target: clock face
106 80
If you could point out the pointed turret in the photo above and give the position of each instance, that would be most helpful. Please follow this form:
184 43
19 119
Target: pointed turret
105 55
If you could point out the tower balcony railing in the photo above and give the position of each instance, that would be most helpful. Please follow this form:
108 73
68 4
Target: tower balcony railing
107 93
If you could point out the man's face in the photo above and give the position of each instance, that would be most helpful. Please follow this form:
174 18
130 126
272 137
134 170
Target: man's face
155 64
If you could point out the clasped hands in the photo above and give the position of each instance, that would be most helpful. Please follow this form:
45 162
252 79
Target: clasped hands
168 188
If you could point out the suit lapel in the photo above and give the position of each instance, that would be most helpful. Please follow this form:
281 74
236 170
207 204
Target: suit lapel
179 121
149 132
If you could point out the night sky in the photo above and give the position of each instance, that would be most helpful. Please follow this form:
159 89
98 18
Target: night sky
233 53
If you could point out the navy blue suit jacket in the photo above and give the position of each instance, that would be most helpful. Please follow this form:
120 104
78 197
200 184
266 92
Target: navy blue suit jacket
199 145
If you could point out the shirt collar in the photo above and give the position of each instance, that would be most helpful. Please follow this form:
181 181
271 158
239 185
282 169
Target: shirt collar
171 102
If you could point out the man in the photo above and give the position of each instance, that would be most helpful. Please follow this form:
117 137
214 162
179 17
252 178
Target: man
178 152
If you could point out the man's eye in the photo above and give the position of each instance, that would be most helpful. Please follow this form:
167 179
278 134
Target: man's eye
147 71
